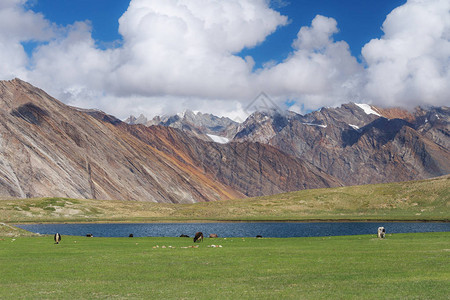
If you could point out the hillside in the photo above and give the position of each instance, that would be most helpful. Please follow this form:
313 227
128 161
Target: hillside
412 200
48 149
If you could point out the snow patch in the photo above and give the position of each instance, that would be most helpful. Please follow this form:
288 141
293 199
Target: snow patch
312 124
218 139
353 126
367 109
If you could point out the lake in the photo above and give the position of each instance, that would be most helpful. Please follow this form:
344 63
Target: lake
241 229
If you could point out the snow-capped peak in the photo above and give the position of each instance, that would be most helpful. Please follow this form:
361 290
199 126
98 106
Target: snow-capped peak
367 109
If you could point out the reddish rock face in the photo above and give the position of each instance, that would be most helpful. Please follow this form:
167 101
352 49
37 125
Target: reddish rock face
50 149
253 169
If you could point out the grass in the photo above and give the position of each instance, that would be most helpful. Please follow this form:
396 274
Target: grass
403 266
427 200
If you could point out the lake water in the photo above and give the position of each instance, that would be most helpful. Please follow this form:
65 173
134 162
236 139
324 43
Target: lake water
265 229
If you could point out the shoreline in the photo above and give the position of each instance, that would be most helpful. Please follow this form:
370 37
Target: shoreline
165 221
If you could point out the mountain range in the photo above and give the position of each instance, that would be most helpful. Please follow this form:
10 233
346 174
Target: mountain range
50 149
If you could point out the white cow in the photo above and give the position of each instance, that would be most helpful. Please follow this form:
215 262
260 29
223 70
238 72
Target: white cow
381 232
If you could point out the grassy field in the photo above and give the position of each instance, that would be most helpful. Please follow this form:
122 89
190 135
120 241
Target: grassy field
403 266
413 200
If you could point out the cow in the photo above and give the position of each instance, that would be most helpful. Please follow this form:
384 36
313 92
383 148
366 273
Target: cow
184 235
89 235
131 235
259 236
213 235
198 236
381 232
57 238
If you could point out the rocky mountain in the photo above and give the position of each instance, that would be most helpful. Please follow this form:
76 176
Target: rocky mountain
204 126
50 149
254 169
356 143
132 120
359 143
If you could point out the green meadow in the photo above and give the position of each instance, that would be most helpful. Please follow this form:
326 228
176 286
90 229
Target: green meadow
402 266
424 200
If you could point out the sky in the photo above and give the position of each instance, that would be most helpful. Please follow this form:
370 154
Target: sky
165 56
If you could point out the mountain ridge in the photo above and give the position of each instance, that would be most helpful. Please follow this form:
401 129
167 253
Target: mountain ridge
357 143
50 149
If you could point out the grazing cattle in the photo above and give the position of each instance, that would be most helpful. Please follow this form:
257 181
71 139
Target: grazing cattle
131 235
198 236
57 238
381 232
259 236
213 235
184 235
89 235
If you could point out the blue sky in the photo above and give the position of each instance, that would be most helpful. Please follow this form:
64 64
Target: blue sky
216 56
103 14
358 21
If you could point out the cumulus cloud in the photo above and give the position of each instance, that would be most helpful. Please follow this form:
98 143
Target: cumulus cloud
18 25
188 47
180 50
319 72
410 64
178 54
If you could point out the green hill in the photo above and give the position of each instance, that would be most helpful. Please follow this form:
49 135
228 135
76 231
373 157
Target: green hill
426 200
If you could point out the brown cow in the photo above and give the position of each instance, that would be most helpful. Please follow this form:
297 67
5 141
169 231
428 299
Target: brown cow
198 236
213 235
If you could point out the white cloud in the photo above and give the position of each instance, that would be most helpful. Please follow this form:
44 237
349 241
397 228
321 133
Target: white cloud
176 49
179 54
319 72
410 64
19 25
188 46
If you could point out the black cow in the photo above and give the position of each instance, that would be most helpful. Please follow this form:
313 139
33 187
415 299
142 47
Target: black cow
184 235
89 235
131 235
198 236
57 238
